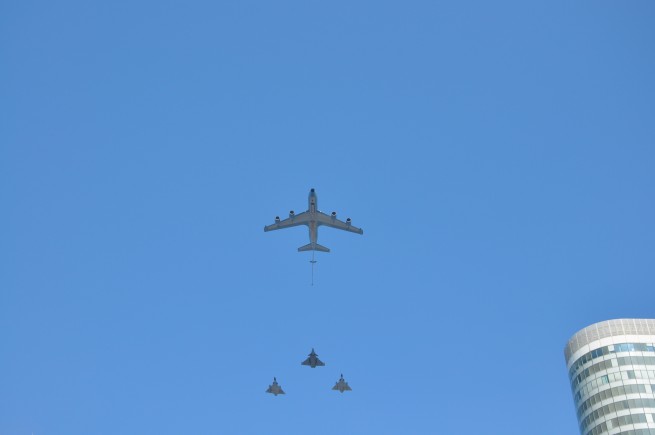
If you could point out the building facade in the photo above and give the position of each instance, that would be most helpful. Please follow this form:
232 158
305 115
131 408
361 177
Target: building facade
611 368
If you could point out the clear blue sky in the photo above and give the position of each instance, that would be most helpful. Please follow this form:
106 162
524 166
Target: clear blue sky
499 155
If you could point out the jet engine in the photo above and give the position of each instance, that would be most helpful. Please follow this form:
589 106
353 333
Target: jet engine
348 221
291 213
334 214
277 219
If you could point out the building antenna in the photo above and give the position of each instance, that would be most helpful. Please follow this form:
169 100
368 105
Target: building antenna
313 263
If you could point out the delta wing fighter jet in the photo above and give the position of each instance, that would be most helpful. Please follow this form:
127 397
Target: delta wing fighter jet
313 218
342 385
275 388
313 360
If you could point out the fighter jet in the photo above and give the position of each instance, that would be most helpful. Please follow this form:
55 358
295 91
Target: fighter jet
313 360
342 385
313 218
275 388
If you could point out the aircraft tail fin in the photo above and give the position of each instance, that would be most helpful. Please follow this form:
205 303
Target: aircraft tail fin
316 247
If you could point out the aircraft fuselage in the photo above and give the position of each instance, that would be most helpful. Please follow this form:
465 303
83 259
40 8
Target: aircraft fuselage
312 207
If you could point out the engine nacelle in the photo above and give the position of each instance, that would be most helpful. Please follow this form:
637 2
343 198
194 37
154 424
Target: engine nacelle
291 213
348 221
277 219
334 214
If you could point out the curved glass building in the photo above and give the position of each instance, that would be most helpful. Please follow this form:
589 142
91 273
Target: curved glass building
612 372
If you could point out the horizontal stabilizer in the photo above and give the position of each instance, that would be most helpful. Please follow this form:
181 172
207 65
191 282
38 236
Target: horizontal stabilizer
315 247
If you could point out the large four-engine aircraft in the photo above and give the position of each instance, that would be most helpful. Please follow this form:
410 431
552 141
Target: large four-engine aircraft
313 218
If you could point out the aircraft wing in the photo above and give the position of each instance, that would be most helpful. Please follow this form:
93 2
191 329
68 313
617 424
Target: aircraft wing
333 222
306 362
299 219
343 386
275 391
319 362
